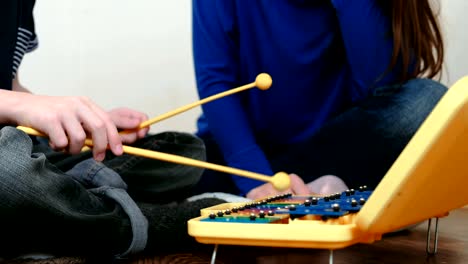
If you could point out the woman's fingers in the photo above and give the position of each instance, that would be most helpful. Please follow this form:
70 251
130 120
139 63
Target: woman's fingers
298 186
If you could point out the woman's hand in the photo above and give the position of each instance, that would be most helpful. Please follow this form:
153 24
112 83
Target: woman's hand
298 187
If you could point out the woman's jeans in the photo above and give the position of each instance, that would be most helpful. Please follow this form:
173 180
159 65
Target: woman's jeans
89 209
358 145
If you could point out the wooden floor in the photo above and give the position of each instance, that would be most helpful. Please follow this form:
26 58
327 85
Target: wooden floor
404 247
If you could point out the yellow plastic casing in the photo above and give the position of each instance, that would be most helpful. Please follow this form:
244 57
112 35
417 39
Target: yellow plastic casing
297 233
429 179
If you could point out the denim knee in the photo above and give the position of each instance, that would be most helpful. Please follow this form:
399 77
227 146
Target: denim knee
402 108
422 95
427 88
152 179
15 151
414 88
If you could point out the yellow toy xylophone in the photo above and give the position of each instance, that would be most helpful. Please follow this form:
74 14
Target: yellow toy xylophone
428 180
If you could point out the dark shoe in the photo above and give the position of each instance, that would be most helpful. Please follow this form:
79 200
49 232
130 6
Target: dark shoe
168 223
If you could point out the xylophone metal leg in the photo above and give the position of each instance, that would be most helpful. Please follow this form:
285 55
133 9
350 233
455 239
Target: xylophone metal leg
213 256
432 251
330 260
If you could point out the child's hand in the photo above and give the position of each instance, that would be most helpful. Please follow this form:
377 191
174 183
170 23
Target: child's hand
128 120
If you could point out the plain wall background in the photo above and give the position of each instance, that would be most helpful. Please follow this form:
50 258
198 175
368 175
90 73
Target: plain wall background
454 23
138 54
119 53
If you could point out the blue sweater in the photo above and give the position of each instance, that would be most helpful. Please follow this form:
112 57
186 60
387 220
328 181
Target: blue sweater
322 56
